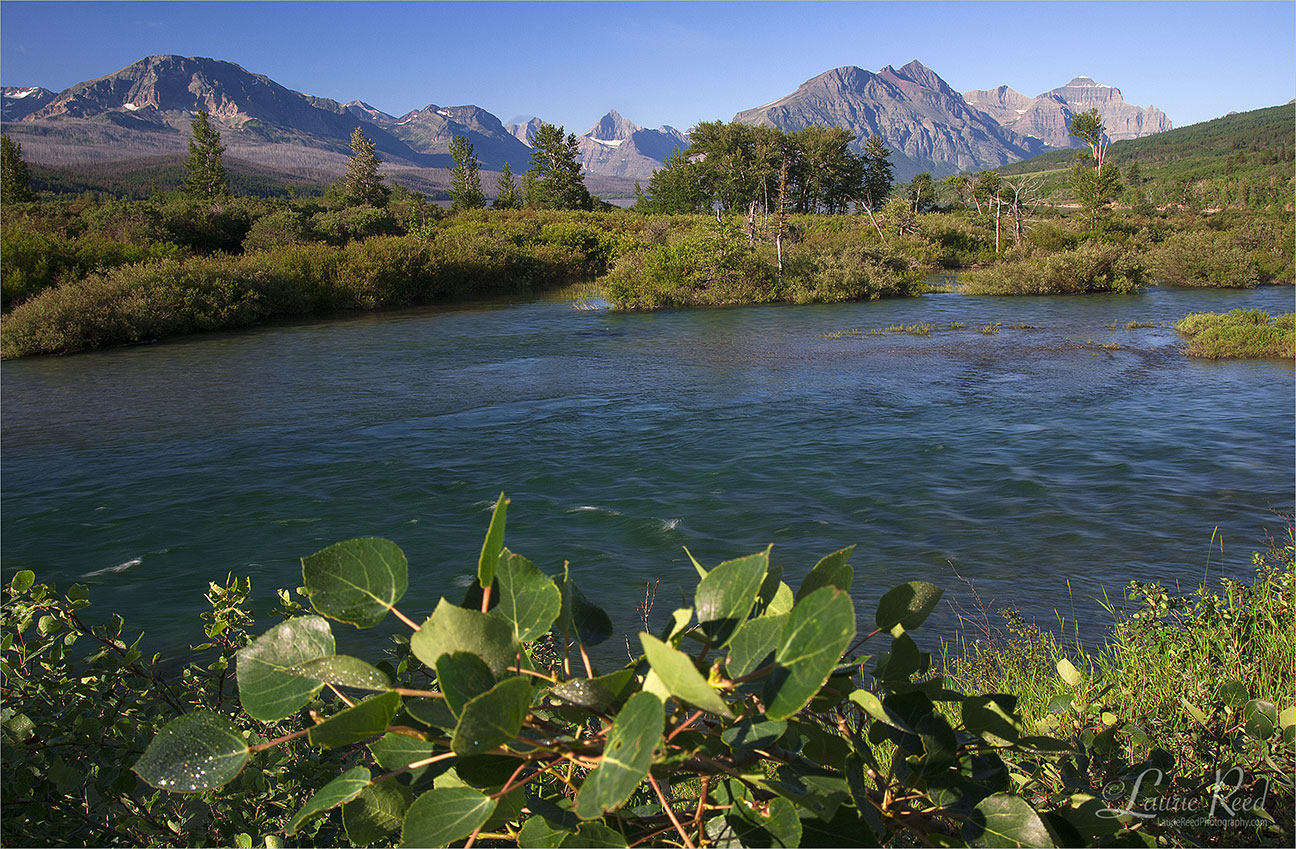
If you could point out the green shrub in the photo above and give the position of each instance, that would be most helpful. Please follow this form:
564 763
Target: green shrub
1090 267
1239 334
1205 258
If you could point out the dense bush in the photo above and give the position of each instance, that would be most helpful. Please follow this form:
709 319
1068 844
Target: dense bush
1090 267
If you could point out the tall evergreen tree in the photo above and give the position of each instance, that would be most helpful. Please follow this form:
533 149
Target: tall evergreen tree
554 178
507 193
1097 186
363 185
465 177
15 182
205 174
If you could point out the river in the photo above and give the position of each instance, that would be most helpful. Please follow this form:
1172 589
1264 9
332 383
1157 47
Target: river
1034 461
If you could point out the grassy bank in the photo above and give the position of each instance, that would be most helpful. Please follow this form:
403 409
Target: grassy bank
1239 334
1188 684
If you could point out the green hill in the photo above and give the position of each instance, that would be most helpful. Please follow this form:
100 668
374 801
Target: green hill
1243 159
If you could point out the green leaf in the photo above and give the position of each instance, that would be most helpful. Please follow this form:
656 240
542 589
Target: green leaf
903 660
1261 719
22 581
345 671
1233 693
831 571
339 791
754 643
528 599
356 581
635 732
462 677
818 630
777 817
269 689
726 595
599 694
579 617
781 602
432 712
1005 820
907 605
1287 718
451 629
986 717
550 822
377 812
680 619
753 733
493 718
493 544
367 719
397 751
1068 673
445 814
194 752
680 676
701 570
593 835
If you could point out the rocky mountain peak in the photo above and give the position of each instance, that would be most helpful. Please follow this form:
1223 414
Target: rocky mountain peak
612 127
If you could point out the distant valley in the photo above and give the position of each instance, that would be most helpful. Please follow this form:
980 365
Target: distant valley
137 119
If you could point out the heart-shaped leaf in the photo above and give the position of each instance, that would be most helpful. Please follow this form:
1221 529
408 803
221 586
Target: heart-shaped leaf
493 718
268 688
397 751
367 719
1005 820
529 600
193 752
356 581
626 756
831 571
818 630
377 812
677 673
344 671
907 605
726 595
462 676
451 629
339 791
445 814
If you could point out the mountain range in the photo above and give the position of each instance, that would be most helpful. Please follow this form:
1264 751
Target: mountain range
143 111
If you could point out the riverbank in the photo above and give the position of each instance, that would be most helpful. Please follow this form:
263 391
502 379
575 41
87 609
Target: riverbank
86 273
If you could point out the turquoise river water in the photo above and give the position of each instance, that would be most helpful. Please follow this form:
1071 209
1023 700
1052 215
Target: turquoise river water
1038 463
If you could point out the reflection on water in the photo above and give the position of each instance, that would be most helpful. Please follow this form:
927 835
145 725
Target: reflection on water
1022 458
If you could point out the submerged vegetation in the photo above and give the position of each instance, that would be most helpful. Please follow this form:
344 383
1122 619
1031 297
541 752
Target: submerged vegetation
757 724
1239 334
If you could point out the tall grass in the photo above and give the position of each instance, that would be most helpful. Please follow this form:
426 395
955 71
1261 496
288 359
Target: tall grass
1239 334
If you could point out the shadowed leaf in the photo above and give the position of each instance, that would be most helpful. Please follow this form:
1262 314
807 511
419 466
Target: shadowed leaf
626 756
339 791
445 814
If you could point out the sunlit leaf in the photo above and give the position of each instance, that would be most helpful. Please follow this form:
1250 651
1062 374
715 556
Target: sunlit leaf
22 581
367 719
528 599
818 630
1261 719
493 718
268 689
193 752
907 605
344 671
627 754
339 791
451 629
1068 673
493 544
1005 820
677 673
445 814
356 581
726 595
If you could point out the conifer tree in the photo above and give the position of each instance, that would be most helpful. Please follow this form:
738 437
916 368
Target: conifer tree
205 174
465 176
507 193
15 182
555 180
877 174
363 185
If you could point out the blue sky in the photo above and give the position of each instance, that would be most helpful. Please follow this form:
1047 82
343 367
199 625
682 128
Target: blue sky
671 63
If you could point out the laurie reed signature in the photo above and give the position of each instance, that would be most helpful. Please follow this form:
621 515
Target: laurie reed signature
1225 797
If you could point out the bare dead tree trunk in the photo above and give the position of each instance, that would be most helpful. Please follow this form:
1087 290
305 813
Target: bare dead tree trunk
782 213
998 212
751 223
